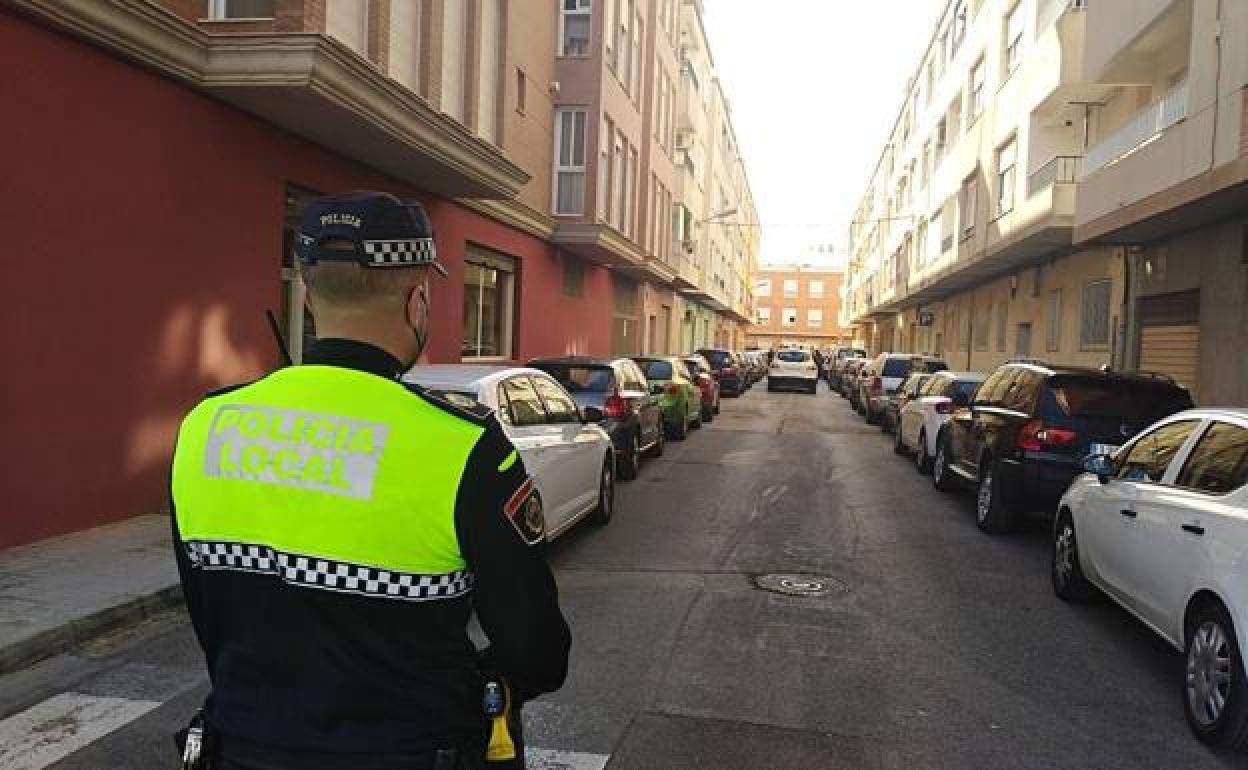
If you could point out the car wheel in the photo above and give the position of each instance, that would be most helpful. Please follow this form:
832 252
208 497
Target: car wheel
1068 581
1215 693
922 460
992 514
680 431
899 446
708 414
942 477
630 461
814 388
606 495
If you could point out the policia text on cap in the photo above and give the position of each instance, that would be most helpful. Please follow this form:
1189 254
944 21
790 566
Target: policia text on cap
335 528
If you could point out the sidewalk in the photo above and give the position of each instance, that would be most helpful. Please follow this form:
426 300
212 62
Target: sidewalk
59 592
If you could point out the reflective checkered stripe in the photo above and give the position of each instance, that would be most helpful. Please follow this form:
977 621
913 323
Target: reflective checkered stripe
328 574
414 251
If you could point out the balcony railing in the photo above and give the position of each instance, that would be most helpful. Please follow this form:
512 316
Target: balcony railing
1148 123
1063 169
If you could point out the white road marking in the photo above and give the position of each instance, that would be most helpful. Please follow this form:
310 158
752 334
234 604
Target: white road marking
52 730
552 759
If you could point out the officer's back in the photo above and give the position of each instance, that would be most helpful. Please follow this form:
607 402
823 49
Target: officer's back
335 529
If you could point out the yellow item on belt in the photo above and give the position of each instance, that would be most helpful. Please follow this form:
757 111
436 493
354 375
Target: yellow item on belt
501 747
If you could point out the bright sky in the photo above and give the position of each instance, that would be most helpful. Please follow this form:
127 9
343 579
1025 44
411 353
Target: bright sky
815 86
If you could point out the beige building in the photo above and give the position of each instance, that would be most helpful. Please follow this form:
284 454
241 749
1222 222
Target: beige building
797 305
1044 151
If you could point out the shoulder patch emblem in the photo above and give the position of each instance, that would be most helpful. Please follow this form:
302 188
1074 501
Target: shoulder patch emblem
524 510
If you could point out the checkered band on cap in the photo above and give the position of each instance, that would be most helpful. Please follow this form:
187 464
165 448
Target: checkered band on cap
328 574
412 251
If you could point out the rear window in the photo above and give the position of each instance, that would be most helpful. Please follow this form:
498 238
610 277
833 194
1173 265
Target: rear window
581 379
793 356
1135 402
965 388
657 370
896 367
717 358
932 365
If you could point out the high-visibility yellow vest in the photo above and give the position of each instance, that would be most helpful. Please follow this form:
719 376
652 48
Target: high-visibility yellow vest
327 478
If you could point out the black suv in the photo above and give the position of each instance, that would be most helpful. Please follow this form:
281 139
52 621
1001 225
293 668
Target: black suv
1024 437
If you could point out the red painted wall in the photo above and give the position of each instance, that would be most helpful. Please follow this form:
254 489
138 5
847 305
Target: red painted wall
142 230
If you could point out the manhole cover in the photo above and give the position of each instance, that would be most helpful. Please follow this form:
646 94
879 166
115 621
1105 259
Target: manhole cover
800 585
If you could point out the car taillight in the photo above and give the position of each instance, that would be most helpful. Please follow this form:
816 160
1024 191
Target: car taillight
730 371
616 406
1035 435
945 407
671 388
876 386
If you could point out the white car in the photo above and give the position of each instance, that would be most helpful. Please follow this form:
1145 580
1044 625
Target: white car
793 368
565 452
1161 527
926 412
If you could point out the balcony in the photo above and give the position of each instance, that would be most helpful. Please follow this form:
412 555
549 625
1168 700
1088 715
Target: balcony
1050 10
1063 169
1143 128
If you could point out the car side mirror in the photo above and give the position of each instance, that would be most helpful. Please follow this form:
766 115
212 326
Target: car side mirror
1102 466
656 388
592 414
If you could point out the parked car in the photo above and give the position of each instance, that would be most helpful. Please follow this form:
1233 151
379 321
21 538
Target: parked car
566 452
837 362
726 369
756 365
848 385
679 396
880 378
1025 435
793 368
905 392
1161 527
700 372
922 417
631 415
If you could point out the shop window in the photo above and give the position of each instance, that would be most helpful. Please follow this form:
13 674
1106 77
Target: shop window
489 304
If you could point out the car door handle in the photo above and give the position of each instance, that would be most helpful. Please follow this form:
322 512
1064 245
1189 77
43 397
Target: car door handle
1130 514
1195 529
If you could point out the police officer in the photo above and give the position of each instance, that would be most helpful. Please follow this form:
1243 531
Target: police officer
335 528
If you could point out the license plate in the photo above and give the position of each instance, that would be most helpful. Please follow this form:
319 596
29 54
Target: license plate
1102 449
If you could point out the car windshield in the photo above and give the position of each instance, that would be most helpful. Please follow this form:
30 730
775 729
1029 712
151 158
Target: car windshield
657 370
932 365
580 379
965 388
717 358
896 367
793 356
1137 402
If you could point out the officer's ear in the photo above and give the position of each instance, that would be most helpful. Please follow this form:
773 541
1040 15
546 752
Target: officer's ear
418 303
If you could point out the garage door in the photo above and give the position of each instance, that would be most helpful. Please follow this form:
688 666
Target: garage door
1172 350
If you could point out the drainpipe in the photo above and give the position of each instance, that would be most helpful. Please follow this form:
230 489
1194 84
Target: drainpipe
1217 86
1121 338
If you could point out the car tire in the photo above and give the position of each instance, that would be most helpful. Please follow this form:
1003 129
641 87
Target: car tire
942 475
680 431
814 388
601 515
899 446
1069 583
1217 710
992 513
708 414
630 460
922 460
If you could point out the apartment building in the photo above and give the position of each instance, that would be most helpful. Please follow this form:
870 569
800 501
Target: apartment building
182 139
1040 171
798 305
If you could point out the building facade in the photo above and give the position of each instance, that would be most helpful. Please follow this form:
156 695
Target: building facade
1062 183
183 138
798 305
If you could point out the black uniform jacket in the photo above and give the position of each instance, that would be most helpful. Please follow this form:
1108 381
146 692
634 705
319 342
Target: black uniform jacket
311 670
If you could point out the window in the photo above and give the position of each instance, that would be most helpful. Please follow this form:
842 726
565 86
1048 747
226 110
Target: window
1149 456
762 287
522 90
524 407
1013 39
1022 340
968 204
623 45
559 406
957 28
790 287
615 212
983 325
790 316
1219 462
1053 321
815 289
570 161
241 9
975 96
489 303
1002 310
1094 316
628 205
763 315
574 27
814 317
1006 157
573 276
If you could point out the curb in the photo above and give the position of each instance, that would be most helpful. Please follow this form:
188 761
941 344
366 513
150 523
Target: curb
46 644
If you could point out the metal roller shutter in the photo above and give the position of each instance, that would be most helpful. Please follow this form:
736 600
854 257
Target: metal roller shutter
1173 350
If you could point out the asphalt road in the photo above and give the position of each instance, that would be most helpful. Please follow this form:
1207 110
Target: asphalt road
935 646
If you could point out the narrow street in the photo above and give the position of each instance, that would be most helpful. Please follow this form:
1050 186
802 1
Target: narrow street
935 645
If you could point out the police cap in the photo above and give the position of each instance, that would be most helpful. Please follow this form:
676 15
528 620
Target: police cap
381 231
